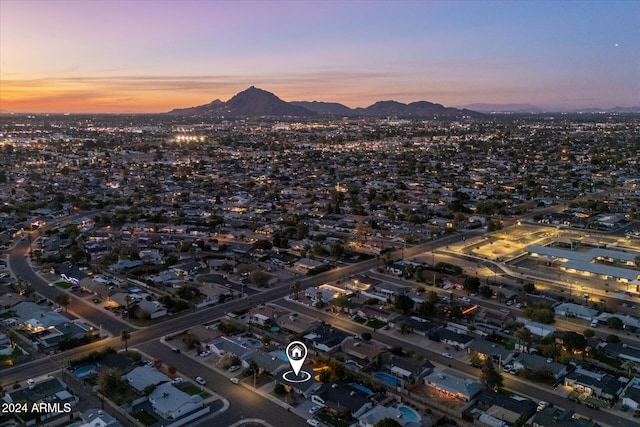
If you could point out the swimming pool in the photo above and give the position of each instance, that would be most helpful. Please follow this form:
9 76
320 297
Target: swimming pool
281 355
84 371
409 414
254 343
386 378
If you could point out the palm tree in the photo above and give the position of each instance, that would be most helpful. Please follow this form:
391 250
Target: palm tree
629 365
63 300
295 288
124 336
523 335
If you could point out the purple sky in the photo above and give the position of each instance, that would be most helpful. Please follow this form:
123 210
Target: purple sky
146 56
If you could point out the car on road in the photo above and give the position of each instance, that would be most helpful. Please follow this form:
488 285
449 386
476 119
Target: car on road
313 422
447 355
30 382
234 368
200 380
234 380
176 380
175 350
594 323
314 410
205 353
51 285
542 404
148 363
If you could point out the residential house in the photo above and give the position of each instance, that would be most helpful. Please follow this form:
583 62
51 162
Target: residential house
225 345
631 394
373 416
171 403
263 315
363 351
326 338
144 376
450 337
453 386
406 367
303 388
154 309
568 309
621 351
98 418
266 362
554 417
493 408
297 323
486 349
533 362
51 391
598 384
377 313
341 398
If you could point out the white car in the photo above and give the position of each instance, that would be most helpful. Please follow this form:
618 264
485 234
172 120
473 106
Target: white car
234 380
200 380
176 380
447 355
314 410
313 422
205 353
234 368
542 404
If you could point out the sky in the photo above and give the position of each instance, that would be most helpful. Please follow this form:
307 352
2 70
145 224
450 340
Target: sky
152 56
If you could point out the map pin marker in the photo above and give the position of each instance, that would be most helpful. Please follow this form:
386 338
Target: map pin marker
297 353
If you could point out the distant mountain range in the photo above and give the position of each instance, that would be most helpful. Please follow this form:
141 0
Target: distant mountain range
258 102
534 109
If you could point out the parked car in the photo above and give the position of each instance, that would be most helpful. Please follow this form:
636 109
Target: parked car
176 380
447 355
234 368
314 410
205 353
234 380
313 422
200 380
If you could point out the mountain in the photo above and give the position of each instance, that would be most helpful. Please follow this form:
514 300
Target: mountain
325 108
504 108
248 103
258 102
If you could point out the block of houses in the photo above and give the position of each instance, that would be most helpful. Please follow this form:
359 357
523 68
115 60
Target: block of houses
602 385
171 403
266 362
263 314
225 345
533 362
303 388
621 351
297 323
52 390
453 386
377 313
340 398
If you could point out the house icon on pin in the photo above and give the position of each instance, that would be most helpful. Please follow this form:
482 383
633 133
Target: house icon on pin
296 352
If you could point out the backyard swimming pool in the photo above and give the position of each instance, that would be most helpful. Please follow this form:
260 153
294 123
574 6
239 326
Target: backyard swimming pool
254 343
386 378
85 370
409 414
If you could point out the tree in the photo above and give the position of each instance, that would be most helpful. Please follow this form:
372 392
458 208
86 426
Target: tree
490 378
279 389
471 284
63 300
589 333
388 422
615 322
629 365
529 287
259 278
341 301
485 291
124 336
295 288
403 303
574 341
613 339
366 336
523 335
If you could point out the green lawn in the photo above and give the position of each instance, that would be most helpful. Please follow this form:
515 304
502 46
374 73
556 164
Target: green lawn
192 389
331 420
361 320
375 324
63 284
145 418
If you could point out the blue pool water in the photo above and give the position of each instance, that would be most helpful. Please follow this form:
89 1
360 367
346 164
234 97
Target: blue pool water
386 378
85 370
253 343
281 355
409 414
362 388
